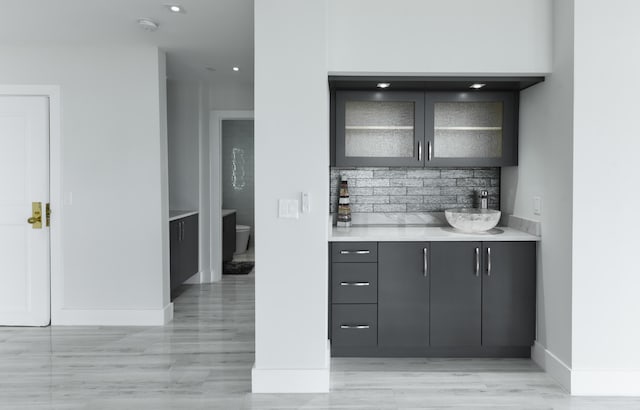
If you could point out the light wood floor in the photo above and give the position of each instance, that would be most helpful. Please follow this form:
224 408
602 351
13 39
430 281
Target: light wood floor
203 361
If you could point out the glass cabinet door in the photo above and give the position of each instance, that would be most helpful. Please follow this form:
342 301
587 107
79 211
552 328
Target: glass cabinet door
470 128
379 128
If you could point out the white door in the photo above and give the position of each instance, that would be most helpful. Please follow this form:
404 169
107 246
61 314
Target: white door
24 179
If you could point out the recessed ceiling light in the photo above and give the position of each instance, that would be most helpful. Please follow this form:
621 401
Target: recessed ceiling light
383 85
477 86
236 68
175 8
148 24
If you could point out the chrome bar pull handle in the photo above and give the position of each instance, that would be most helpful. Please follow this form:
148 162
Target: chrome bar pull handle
419 150
477 261
354 326
488 261
361 252
355 283
425 262
429 151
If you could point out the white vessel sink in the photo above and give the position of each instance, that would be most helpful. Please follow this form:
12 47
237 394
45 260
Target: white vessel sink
472 220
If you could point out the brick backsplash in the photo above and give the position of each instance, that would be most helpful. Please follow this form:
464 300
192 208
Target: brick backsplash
415 190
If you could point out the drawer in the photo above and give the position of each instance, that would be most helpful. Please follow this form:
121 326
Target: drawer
354 252
354 325
354 282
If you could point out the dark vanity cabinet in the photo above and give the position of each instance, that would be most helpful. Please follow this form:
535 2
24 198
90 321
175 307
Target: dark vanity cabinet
425 128
471 299
183 245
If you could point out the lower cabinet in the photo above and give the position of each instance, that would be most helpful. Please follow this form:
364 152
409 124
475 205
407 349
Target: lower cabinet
183 249
403 294
434 299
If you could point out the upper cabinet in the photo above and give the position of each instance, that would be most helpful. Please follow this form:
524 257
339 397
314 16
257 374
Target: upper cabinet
426 123
379 128
471 128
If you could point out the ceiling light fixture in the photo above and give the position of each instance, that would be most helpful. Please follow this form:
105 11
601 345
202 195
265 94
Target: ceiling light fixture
477 86
383 85
175 8
148 24
236 68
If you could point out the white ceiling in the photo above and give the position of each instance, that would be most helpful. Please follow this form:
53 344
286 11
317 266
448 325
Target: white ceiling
214 33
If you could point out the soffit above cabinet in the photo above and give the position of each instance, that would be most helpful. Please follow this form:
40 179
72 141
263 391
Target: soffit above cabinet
432 83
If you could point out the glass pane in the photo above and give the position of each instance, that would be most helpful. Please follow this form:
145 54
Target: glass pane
468 130
379 129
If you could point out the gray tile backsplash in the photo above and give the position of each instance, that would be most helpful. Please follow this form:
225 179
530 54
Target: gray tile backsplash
396 190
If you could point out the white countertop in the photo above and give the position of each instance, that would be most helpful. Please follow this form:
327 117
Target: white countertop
173 214
226 212
415 233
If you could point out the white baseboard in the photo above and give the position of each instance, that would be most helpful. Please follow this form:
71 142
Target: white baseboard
197 278
550 363
605 383
292 380
115 317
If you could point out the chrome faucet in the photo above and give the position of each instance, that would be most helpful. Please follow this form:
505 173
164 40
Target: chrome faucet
484 199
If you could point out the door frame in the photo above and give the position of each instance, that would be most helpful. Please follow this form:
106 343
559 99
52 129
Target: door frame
55 185
215 161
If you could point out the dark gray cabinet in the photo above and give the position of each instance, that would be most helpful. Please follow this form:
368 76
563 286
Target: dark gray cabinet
471 129
228 236
456 293
379 128
472 299
424 129
483 294
403 294
183 249
508 293
353 294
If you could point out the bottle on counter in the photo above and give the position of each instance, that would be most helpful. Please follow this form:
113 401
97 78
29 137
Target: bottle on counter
344 207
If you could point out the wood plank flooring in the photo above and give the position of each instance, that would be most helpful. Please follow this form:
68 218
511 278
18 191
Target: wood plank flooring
203 361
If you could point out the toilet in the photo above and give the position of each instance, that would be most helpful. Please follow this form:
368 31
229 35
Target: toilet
242 238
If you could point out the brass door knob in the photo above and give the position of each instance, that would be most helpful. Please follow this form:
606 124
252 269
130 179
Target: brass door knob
34 220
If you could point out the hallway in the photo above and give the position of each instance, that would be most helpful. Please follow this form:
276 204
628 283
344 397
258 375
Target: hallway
203 360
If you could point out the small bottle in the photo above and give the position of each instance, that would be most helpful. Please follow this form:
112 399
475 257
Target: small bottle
344 207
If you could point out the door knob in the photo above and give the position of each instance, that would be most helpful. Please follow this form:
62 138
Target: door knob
36 215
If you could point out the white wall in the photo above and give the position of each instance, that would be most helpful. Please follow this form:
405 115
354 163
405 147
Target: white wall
183 108
291 120
439 37
545 170
606 271
292 156
114 233
231 97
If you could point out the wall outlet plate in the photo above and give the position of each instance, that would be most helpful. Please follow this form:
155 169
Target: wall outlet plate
537 205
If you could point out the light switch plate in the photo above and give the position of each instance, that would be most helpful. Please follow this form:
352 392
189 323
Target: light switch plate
288 208
306 207
537 205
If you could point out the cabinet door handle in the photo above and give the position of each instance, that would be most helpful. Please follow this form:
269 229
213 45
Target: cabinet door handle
355 283
477 261
181 230
429 151
425 262
419 150
488 261
362 252
354 326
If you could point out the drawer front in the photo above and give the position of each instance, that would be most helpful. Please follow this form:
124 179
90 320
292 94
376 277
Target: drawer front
354 325
354 252
354 283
